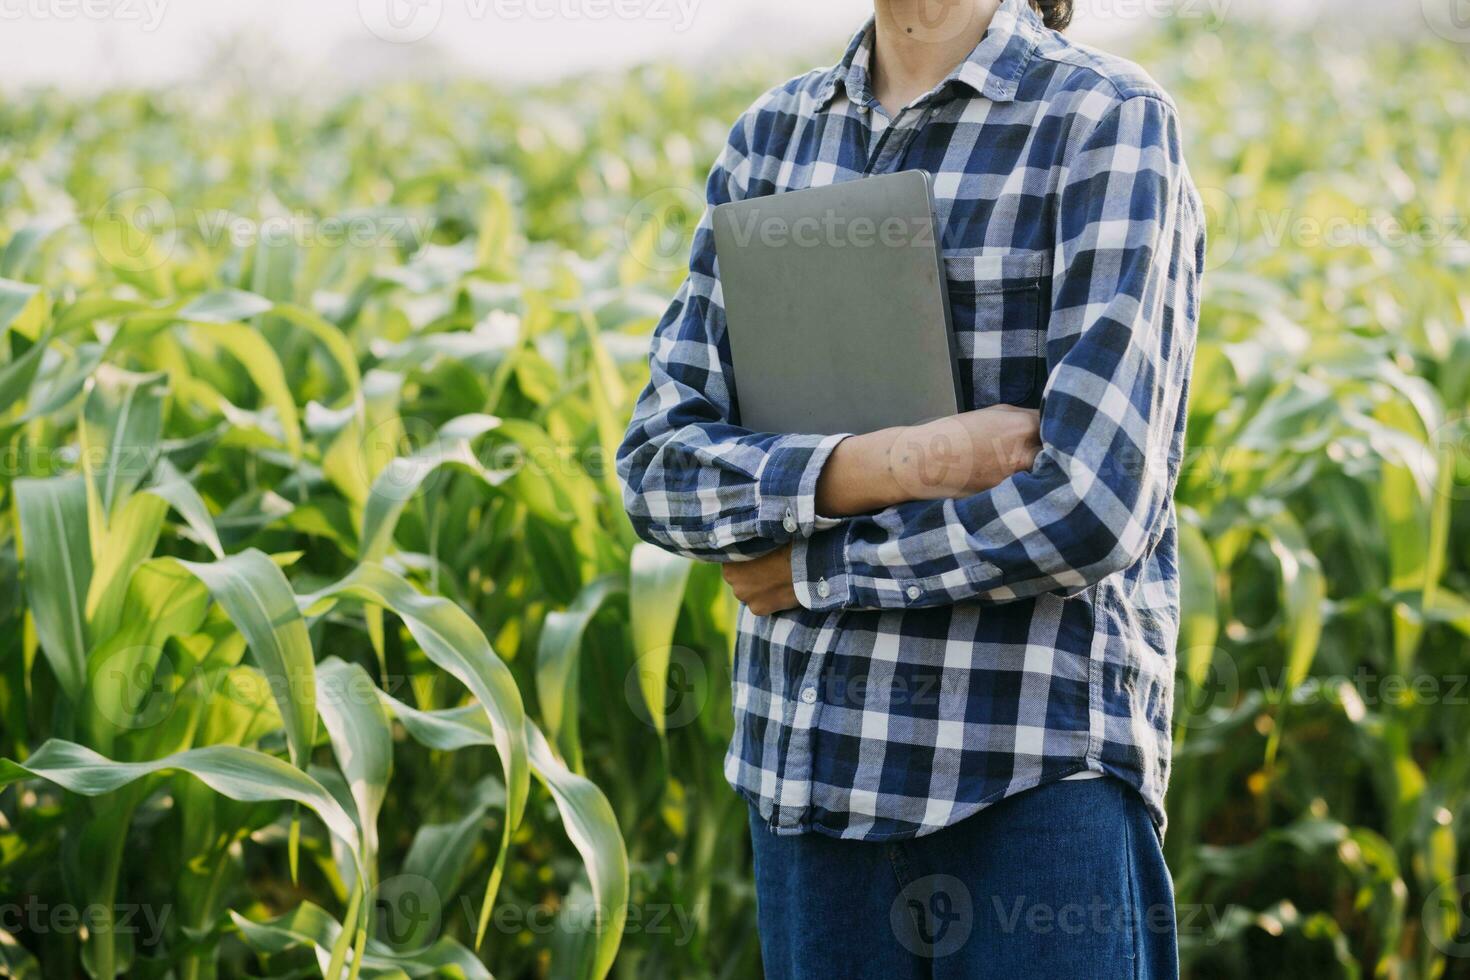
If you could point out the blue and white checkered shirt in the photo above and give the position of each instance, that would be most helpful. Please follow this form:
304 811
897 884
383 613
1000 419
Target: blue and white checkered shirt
953 653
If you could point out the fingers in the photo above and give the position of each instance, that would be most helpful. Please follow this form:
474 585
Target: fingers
761 600
764 584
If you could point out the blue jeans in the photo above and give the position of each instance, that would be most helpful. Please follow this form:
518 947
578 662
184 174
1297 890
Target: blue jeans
1063 882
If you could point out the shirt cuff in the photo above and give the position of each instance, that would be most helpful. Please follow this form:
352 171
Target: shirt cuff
787 486
819 572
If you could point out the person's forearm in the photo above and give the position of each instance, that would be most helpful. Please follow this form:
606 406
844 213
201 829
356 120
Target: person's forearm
947 458
859 476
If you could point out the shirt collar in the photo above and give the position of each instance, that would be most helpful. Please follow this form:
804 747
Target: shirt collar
993 69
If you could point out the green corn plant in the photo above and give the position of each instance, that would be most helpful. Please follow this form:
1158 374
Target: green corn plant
326 649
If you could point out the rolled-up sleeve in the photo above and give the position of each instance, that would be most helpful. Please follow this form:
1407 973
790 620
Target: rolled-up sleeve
694 481
1121 337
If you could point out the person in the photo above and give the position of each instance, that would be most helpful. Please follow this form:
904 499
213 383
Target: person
955 656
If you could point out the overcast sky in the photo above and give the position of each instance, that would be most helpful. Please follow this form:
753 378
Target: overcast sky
96 43
99 43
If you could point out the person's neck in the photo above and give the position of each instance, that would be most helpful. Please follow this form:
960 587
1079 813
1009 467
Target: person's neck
917 43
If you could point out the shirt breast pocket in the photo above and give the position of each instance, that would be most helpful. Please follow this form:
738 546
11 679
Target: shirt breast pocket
999 302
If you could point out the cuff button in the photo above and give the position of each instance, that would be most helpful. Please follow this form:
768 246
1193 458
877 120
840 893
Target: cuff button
823 589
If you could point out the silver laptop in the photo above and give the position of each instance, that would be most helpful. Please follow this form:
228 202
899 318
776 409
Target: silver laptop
838 308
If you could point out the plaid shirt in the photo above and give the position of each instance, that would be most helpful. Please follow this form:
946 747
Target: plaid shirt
949 654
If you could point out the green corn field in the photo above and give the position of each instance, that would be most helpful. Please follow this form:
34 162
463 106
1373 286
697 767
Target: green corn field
326 648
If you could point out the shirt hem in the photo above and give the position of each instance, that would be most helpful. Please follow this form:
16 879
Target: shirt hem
960 814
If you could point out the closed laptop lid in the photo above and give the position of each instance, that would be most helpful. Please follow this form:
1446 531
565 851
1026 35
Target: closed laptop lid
837 307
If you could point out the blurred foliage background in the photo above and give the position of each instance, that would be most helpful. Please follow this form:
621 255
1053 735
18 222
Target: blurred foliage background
324 639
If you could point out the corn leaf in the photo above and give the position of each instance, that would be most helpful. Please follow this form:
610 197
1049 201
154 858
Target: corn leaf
405 476
310 925
122 424
450 639
585 812
361 740
264 368
253 592
656 592
58 564
558 655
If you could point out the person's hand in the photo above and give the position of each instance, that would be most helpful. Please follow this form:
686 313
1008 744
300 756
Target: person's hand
764 584
964 454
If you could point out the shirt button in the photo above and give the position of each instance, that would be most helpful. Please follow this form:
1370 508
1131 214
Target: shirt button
913 592
789 523
823 589
809 695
